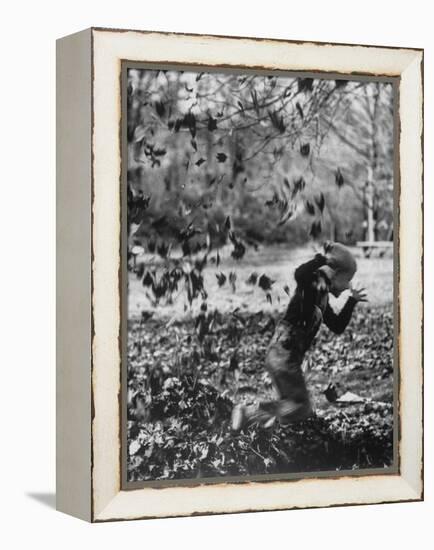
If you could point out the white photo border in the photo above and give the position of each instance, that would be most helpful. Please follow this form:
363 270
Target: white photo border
109 49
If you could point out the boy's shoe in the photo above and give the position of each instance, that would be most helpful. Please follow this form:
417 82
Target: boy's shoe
238 418
299 413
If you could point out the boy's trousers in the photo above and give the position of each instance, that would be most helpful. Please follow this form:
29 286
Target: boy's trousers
284 361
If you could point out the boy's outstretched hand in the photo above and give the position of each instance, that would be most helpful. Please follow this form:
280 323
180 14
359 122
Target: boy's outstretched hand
359 294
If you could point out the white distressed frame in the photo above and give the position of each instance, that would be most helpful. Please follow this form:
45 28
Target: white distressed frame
109 47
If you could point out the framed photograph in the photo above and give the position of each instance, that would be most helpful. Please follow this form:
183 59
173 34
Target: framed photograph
239 274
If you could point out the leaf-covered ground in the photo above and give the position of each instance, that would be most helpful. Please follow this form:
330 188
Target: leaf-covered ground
182 384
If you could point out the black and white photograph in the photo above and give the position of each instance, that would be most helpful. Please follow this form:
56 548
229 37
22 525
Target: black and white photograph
258 267
217 233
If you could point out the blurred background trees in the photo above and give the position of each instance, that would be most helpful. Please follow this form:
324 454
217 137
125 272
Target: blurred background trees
288 159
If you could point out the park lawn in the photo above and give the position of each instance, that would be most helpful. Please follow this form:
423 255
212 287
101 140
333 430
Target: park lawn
278 263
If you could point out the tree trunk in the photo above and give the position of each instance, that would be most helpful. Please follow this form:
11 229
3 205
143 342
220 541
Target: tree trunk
369 194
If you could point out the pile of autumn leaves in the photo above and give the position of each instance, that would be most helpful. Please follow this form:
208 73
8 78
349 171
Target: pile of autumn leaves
180 401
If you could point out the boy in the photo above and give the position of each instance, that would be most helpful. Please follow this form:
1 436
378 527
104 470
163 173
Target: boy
324 274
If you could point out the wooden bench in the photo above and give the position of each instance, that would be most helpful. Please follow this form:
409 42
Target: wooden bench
369 246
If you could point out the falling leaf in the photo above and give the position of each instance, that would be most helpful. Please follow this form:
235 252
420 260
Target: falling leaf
239 248
238 251
265 282
221 157
316 229
232 280
221 278
310 208
287 212
320 201
189 121
299 185
339 179
254 95
253 279
277 121
163 249
148 280
305 150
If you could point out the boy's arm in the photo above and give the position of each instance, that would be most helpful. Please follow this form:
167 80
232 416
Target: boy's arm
339 322
303 273
301 308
